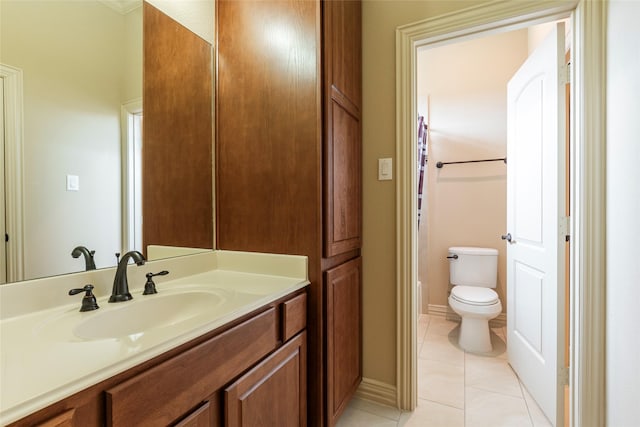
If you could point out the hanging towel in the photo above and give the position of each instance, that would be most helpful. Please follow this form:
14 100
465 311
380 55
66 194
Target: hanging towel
422 160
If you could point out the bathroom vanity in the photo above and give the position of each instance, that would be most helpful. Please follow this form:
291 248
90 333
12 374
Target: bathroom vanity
225 345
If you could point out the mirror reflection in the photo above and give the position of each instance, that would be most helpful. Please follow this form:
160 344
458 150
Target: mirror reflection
72 114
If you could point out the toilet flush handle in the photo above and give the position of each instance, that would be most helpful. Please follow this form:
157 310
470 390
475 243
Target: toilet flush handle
508 238
454 256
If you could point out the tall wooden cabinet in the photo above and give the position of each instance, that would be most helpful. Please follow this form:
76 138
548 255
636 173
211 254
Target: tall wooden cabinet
289 166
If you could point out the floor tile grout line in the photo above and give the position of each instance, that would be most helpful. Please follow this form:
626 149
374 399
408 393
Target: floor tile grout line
381 416
526 404
441 403
464 392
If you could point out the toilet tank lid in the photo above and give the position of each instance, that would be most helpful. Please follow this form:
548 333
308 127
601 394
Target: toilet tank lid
468 250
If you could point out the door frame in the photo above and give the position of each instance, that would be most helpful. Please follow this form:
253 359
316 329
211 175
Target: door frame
14 134
587 145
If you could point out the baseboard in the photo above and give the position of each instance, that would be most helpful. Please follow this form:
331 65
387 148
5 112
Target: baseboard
377 391
445 312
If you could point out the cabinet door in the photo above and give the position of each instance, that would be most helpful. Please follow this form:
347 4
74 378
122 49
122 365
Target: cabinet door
201 417
274 392
342 29
342 128
344 335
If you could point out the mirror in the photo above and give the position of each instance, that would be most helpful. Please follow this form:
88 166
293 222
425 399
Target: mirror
81 71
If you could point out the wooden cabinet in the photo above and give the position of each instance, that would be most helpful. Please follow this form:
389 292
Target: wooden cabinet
256 367
166 392
344 334
289 160
64 419
342 128
200 417
273 393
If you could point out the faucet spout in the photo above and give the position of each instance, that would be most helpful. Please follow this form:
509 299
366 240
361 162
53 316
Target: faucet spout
120 290
89 264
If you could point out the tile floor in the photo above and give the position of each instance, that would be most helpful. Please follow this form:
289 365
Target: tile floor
455 388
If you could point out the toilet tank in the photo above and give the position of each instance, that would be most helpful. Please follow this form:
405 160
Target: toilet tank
473 266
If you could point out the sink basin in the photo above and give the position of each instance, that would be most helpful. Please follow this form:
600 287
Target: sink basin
173 311
147 313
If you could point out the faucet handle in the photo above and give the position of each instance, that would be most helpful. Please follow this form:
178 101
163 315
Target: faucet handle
150 287
89 300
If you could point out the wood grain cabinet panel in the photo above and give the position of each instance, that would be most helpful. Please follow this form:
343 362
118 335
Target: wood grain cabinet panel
342 87
295 316
201 417
343 53
166 392
177 153
344 335
62 420
273 393
289 149
343 182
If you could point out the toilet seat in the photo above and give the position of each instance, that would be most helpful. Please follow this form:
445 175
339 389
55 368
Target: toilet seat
474 295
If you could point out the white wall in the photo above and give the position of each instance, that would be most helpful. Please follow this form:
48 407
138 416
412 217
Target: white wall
466 84
72 56
623 213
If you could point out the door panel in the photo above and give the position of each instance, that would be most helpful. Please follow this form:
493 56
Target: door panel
535 208
343 183
273 393
344 335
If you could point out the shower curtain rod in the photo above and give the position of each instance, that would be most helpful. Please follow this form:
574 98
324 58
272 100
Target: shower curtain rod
439 165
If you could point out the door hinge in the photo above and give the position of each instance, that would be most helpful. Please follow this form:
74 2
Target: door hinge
6 237
563 375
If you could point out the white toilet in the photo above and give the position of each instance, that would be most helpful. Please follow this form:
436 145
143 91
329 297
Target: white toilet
474 273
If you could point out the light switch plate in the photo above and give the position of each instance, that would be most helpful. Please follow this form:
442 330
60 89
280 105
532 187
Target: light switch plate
73 183
385 169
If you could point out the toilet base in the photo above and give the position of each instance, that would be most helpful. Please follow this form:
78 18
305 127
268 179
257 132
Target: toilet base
475 336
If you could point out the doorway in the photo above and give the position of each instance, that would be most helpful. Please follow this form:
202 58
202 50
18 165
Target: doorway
462 90
11 205
587 304
131 118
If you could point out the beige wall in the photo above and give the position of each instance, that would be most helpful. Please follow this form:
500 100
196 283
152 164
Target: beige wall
466 86
379 22
72 57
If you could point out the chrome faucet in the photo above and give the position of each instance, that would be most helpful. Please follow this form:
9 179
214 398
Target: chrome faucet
120 290
89 264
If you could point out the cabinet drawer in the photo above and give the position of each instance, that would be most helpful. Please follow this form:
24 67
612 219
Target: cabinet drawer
62 420
166 392
294 317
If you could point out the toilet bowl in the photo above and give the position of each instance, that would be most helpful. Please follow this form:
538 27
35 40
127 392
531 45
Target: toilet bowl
473 272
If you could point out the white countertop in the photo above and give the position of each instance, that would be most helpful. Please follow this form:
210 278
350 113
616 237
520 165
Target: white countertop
42 361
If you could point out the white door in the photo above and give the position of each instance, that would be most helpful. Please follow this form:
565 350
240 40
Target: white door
535 212
3 244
